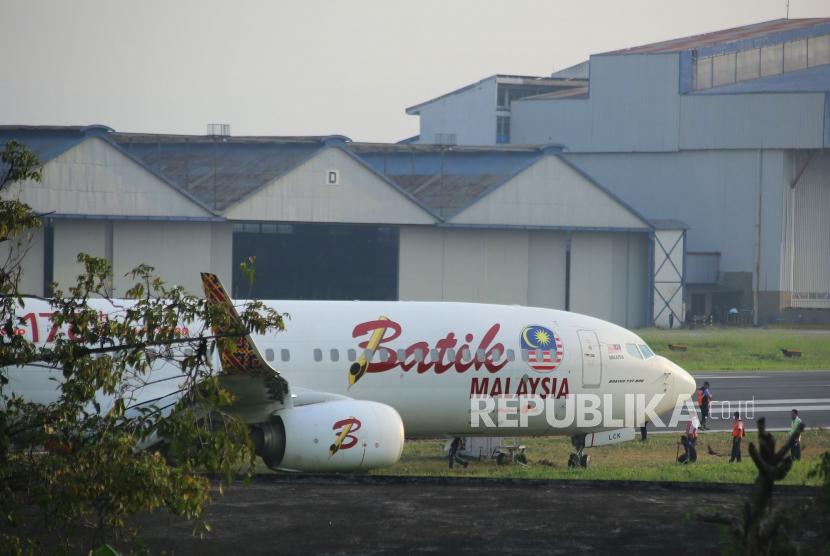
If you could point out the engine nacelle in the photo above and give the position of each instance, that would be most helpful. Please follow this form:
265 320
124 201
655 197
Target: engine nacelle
342 435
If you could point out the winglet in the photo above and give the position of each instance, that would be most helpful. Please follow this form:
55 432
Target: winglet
238 354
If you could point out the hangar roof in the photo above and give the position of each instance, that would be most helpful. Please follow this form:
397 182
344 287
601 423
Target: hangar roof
554 81
47 142
446 180
772 31
222 170
217 172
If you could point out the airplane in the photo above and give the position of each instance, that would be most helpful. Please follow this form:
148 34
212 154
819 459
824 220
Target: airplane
346 381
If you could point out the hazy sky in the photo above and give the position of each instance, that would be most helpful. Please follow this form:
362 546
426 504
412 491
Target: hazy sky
310 67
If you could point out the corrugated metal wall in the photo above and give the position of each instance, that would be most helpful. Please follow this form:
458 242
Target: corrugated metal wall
609 277
811 235
178 251
31 279
303 195
73 237
609 271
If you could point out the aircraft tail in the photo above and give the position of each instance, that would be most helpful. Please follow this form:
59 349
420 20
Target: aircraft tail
238 353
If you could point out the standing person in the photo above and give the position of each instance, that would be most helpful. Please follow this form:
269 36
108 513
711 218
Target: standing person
796 450
691 439
704 399
738 432
456 445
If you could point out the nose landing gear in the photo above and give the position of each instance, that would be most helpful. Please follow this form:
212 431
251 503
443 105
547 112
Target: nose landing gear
579 459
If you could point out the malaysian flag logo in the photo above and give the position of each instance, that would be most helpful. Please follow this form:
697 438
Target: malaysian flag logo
544 348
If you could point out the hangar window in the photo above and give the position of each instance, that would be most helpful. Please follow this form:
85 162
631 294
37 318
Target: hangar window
502 129
318 354
269 354
285 355
352 355
647 353
302 261
335 355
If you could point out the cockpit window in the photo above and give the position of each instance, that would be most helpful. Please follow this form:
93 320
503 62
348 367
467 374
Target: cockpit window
633 351
647 353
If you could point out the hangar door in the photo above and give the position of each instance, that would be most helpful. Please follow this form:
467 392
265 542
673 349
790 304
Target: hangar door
809 242
591 359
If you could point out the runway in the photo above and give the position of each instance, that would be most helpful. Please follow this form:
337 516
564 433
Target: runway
771 394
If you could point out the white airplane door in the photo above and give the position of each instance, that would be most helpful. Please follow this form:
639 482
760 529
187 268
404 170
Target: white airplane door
591 358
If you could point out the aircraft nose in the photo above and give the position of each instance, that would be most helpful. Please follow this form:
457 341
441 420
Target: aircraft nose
683 383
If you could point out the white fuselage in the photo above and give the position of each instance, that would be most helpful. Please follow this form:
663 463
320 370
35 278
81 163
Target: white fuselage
430 358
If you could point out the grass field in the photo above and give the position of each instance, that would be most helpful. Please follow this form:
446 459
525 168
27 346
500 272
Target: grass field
742 349
652 460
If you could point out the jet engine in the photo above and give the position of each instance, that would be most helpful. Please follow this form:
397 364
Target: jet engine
342 435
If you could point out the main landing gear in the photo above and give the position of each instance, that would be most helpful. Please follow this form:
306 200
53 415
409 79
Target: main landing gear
579 459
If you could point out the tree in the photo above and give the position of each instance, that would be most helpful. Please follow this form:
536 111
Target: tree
73 471
763 528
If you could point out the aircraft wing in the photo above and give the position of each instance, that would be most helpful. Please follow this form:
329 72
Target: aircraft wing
287 424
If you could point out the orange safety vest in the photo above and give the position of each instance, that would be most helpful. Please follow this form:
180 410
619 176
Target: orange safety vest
738 429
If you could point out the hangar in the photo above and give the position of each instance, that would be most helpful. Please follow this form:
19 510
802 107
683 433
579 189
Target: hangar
330 219
726 131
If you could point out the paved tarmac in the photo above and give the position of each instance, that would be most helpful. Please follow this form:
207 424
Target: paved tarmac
773 395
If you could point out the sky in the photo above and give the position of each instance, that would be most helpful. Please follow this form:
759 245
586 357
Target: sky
310 67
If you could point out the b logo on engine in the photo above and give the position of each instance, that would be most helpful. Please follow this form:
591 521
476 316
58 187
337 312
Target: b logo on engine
344 439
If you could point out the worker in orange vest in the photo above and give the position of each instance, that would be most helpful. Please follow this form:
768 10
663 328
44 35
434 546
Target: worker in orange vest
738 432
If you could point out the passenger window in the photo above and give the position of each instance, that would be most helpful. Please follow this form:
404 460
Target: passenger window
433 354
419 355
647 353
384 356
511 355
352 355
450 354
525 355
633 351
335 355
269 354
480 354
496 355
401 354
368 354
286 355
318 354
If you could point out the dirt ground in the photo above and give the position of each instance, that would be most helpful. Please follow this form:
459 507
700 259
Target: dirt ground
292 514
